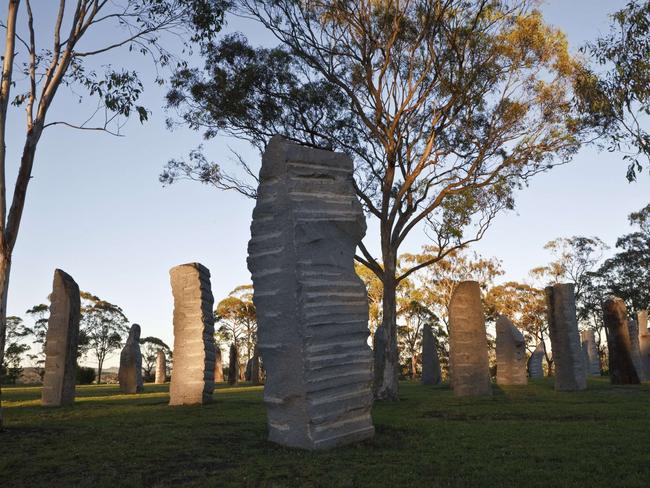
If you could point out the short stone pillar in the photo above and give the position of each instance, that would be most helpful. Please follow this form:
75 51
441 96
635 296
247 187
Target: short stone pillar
218 365
233 365
431 374
161 368
621 365
535 367
635 347
312 308
565 339
588 338
511 353
194 352
644 343
468 350
130 372
61 342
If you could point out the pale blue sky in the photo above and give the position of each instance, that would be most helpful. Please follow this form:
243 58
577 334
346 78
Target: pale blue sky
96 210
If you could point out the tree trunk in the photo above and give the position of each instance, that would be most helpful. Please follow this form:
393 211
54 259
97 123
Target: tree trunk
386 361
5 268
100 364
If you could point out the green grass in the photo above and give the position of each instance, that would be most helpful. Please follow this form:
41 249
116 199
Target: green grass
523 436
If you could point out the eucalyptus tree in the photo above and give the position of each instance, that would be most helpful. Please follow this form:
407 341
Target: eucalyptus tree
445 106
69 44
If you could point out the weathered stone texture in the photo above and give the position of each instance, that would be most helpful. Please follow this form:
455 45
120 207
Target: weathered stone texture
568 357
130 372
431 374
194 350
233 365
621 365
218 366
635 347
535 368
61 342
468 350
161 368
644 344
511 353
590 350
312 308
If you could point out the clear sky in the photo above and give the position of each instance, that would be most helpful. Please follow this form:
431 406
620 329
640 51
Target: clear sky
96 210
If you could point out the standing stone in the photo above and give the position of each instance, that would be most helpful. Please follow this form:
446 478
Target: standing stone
161 368
468 350
591 352
535 368
255 374
635 348
130 372
511 354
644 343
621 365
194 351
233 366
565 339
61 342
312 308
431 374
218 366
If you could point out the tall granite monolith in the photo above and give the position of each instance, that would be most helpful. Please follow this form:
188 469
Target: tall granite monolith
194 350
61 342
233 365
644 343
635 347
256 373
312 308
590 350
621 364
511 353
431 374
535 367
130 372
218 366
468 349
161 368
568 357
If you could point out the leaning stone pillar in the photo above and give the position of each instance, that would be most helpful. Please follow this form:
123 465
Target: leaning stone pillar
193 375
312 308
621 364
468 350
61 342
565 339
644 343
431 374
130 372
535 368
511 354
161 367
588 338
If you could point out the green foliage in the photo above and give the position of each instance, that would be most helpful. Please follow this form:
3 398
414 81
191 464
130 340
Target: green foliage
151 346
11 368
85 376
522 436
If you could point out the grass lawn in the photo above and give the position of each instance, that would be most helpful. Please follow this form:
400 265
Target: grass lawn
523 436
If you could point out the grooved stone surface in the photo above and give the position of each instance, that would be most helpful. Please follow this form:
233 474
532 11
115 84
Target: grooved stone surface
590 350
161 368
468 350
312 308
535 368
218 366
194 351
568 357
130 373
635 348
431 374
644 343
621 364
511 354
61 342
